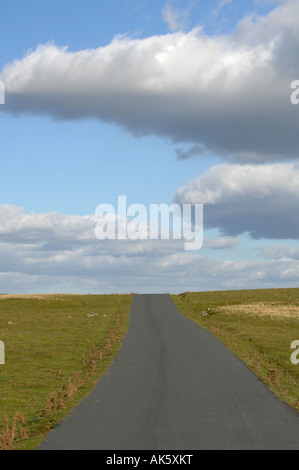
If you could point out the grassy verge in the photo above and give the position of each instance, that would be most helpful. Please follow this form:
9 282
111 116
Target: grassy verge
56 349
258 326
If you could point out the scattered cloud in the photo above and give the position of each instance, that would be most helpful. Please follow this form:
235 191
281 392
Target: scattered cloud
191 152
221 243
221 5
177 20
227 94
279 252
53 252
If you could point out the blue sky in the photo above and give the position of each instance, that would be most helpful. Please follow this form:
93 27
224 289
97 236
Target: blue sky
94 23
67 158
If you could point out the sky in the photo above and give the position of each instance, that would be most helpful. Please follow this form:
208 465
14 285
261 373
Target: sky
183 101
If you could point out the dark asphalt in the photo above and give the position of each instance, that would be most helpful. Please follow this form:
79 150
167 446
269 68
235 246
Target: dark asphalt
174 386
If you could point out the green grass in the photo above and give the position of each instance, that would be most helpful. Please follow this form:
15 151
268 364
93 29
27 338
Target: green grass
258 326
54 355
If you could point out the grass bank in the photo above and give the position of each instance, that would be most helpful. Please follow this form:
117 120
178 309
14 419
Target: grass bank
258 326
56 349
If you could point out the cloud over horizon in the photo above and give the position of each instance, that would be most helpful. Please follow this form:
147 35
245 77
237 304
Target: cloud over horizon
53 252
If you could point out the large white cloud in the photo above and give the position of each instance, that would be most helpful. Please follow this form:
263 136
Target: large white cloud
229 94
261 200
52 228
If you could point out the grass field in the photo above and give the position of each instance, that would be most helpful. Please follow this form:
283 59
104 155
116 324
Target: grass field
259 326
56 349
58 346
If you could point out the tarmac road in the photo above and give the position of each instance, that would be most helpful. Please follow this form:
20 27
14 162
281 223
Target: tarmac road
174 386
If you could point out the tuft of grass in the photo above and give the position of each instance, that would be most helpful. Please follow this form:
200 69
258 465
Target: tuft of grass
57 347
258 326
17 431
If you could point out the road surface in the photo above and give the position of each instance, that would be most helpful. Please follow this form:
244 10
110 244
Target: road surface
174 386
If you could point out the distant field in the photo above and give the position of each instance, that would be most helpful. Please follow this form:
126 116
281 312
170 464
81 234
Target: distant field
56 349
258 326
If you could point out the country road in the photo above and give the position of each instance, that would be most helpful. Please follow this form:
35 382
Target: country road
174 386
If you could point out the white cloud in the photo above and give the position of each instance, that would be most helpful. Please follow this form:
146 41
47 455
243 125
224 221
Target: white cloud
177 20
261 200
229 94
19 227
279 252
221 243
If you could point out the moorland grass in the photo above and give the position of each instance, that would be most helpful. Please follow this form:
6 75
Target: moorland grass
56 349
258 326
